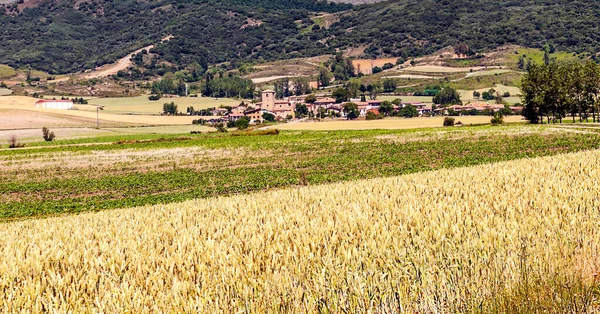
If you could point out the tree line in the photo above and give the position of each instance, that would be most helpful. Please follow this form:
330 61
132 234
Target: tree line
555 91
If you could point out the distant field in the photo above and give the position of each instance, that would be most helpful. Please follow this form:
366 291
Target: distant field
489 72
27 104
6 71
467 95
11 119
141 104
423 99
439 69
5 91
366 65
537 55
387 124
34 134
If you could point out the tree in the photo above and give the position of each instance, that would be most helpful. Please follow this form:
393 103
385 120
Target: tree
301 111
268 117
170 108
242 123
386 108
48 136
521 63
377 70
397 102
447 96
310 99
389 85
324 78
449 121
301 86
476 94
351 111
546 54
409 111
341 95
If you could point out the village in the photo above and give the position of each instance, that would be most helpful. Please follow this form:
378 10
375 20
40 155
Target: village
285 109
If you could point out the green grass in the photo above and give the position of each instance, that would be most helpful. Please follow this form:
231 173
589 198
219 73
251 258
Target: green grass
250 163
141 104
537 55
6 71
487 81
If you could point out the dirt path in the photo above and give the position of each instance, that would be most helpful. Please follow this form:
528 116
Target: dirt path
121 64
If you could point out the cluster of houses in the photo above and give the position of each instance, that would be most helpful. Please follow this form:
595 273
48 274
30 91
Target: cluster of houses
285 108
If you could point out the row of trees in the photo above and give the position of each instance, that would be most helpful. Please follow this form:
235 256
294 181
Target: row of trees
555 91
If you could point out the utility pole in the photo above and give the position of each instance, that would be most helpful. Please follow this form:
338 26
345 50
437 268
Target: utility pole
98 108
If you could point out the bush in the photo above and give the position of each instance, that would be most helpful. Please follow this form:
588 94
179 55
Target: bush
268 117
153 97
387 66
220 128
372 116
13 142
448 121
48 136
497 119
506 94
377 70
231 124
242 123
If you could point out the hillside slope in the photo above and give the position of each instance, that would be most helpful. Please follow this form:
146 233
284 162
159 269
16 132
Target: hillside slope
69 36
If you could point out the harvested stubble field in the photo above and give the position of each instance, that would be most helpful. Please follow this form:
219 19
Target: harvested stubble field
94 174
512 237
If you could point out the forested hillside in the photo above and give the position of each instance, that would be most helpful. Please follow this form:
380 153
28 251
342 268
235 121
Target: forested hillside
418 27
69 35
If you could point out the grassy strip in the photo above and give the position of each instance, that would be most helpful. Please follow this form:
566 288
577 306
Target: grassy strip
310 158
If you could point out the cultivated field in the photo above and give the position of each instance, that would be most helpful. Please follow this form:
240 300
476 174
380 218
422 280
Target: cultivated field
119 170
366 66
389 123
26 107
141 104
512 237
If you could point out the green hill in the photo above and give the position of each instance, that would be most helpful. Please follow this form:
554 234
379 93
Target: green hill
69 35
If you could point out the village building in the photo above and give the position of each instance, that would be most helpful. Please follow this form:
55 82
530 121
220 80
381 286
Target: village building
55 104
254 115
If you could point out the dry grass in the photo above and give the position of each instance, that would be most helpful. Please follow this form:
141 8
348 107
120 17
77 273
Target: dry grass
389 123
366 66
27 104
524 238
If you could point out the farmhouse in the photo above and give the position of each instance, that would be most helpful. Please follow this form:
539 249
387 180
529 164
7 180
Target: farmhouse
54 104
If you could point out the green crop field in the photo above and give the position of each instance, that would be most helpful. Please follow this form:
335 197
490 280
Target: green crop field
123 171
141 104
537 55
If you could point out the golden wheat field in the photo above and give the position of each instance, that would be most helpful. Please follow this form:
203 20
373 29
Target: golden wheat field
520 236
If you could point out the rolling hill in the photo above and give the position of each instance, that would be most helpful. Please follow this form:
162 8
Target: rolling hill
69 36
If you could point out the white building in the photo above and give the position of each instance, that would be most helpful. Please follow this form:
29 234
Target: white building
55 104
